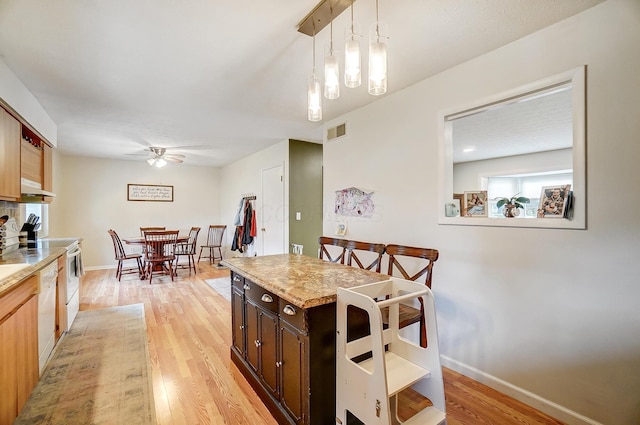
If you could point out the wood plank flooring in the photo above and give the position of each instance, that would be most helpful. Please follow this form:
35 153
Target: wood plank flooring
194 381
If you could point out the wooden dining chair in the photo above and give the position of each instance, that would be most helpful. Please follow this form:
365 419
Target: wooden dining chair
160 247
188 249
122 256
331 254
150 229
214 243
402 258
357 255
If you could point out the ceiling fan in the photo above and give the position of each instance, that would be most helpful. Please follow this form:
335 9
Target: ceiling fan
159 157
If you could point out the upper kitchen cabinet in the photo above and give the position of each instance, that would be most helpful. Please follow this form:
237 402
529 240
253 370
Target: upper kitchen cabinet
35 165
10 130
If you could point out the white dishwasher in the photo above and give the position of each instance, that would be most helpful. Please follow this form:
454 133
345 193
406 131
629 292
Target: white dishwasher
47 312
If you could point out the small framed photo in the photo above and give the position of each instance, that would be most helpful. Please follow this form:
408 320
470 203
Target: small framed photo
553 201
475 204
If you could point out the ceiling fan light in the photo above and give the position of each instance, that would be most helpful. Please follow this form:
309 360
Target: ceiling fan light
151 161
160 162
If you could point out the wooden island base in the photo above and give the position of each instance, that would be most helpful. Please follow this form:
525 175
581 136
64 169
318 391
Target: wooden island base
284 331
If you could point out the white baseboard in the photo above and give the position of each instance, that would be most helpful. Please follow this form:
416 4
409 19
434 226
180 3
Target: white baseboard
100 267
550 408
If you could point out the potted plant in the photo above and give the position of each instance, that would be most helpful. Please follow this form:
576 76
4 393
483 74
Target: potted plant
512 205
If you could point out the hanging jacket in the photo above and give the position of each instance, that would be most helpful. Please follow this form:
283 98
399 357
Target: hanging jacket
248 216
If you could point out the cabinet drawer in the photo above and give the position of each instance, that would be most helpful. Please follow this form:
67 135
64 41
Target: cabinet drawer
237 280
261 296
292 315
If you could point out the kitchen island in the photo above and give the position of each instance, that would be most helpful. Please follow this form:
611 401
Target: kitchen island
283 336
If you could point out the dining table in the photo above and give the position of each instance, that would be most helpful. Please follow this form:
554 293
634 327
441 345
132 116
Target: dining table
139 240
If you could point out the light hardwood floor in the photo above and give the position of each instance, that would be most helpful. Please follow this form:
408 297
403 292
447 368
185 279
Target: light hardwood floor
194 381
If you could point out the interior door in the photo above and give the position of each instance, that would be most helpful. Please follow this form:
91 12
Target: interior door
273 217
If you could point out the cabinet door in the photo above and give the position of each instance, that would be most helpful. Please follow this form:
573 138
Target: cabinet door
9 157
252 312
237 321
8 373
27 350
269 351
47 170
294 390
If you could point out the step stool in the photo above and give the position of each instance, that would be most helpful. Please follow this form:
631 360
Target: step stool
368 388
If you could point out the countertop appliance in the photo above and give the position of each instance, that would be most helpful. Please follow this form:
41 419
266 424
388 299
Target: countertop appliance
47 281
9 236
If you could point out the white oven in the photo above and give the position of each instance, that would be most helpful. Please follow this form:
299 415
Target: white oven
74 270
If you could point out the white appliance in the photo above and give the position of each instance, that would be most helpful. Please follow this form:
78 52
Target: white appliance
47 312
9 236
74 271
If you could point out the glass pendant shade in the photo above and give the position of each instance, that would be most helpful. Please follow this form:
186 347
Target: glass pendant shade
314 99
331 76
377 60
352 59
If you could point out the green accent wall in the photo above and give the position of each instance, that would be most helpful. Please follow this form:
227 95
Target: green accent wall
305 195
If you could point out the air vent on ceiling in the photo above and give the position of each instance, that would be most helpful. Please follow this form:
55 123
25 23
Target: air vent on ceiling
338 131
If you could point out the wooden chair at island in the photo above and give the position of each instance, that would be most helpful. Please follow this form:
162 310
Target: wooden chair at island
357 255
160 247
422 259
122 256
188 249
331 254
214 243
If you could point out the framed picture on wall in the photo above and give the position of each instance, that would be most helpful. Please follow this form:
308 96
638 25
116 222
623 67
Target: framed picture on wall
475 204
553 201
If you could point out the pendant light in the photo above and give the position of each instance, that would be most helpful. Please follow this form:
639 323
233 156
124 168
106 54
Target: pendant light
314 95
377 57
352 60
331 70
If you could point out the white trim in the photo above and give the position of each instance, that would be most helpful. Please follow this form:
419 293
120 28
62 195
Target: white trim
577 77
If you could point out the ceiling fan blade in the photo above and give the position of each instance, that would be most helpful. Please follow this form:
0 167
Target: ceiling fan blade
173 155
171 159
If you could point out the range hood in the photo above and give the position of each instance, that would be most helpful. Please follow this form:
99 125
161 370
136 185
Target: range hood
31 188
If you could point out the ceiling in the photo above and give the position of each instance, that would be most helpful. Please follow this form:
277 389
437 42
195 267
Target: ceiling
216 80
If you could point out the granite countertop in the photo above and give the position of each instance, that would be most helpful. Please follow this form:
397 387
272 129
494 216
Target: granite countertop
301 280
46 251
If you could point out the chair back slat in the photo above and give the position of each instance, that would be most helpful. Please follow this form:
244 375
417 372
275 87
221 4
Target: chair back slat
160 245
215 235
396 252
353 247
150 229
117 245
338 257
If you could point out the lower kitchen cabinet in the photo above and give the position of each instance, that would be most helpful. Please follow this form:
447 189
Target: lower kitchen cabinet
19 348
287 354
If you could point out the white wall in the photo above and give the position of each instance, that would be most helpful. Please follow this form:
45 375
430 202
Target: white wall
92 198
467 175
548 315
20 99
245 176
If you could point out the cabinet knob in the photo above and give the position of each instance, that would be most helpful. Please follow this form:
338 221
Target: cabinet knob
258 343
289 310
236 278
246 286
278 364
267 298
